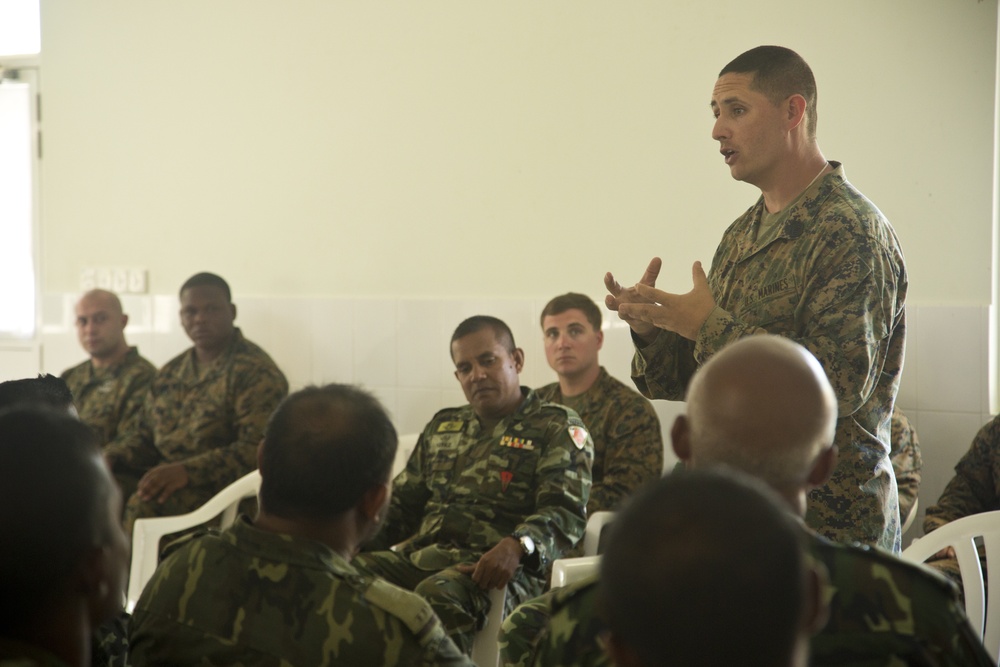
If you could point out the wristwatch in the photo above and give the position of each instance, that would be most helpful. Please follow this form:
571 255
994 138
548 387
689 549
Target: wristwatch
527 544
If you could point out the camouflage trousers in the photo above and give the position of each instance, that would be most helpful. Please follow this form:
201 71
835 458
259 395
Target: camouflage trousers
522 629
460 604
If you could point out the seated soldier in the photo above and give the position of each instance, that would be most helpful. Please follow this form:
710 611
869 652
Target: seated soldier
204 414
764 406
974 489
281 589
493 492
628 446
708 569
63 561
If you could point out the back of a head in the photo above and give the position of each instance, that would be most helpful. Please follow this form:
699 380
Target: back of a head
323 449
477 323
47 390
762 405
778 73
570 301
705 568
54 499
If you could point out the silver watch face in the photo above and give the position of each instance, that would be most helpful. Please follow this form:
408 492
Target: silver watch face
527 544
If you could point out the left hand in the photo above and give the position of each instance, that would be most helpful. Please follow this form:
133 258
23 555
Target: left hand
681 313
162 481
497 566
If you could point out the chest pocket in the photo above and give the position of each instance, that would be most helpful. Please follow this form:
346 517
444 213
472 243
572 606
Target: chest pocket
511 477
774 307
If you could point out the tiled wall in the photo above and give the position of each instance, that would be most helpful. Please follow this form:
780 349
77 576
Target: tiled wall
398 348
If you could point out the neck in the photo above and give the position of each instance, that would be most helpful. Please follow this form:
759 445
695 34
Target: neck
574 385
341 533
795 175
111 359
207 355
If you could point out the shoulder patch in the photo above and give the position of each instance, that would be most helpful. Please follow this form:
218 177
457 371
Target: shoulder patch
579 436
411 609
450 427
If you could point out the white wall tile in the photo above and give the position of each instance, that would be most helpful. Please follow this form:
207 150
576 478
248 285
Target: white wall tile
19 361
283 328
331 343
950 359
374 327
422 343
907 396
415 407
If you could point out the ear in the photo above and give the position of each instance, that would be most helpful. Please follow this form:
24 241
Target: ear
232 306
373 500
518 359
680 438
796 110
600 339
823 467
124 320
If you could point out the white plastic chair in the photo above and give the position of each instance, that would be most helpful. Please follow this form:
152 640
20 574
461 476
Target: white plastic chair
908 521
961 535
566 571
146 533
592 536
485 649
407 443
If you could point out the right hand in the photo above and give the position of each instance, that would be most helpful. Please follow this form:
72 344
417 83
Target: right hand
619 295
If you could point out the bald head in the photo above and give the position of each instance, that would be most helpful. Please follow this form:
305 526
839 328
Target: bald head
100 326
762 405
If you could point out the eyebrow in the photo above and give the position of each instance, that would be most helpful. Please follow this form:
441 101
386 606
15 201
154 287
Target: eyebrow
727 101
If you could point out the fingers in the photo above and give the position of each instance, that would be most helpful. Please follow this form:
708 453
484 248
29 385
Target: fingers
612 284
652 272
698 274
651 294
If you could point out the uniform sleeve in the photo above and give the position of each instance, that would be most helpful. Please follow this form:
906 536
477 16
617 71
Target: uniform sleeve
663 368
844 314
563 476
257 390
973 488
410 494
633 454
904 452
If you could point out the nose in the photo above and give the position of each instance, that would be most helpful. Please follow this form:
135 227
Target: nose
478 372
562 342
719 130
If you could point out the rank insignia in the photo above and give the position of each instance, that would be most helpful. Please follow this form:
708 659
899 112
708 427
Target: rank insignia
505 477
579 435
516 443
450 427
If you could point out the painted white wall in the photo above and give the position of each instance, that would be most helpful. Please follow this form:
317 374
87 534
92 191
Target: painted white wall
447 148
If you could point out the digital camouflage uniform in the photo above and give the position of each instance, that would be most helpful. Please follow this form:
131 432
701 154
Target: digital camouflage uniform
906 461
884 612
212 424
628 445
107 398
464 490
827 274
974 489
246 596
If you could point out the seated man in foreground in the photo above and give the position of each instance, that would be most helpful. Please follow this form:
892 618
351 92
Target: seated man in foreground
685 542
281 589
204 415
764 407
493 492
62 565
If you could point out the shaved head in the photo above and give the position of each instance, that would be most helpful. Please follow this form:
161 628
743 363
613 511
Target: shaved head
762 405
100 327
109 301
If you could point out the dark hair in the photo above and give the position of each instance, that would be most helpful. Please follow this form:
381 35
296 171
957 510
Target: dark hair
569 301
43 390
778 73
53 507
323 449
205 279
705 553
477 323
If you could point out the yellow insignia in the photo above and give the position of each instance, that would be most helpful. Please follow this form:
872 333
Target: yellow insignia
450 427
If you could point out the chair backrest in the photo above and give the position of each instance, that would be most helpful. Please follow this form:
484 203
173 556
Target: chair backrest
147 533
961 535
566 571
909 518
592 536
485 649
407 443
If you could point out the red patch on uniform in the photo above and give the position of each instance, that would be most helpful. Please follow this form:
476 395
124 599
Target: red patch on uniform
579 436
505 478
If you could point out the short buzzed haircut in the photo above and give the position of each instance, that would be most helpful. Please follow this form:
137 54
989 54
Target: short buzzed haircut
205 279
569 301
323 449
46 389
778 73
53 508
477 323
705 568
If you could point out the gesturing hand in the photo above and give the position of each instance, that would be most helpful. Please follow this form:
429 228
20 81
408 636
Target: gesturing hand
619 296
681 313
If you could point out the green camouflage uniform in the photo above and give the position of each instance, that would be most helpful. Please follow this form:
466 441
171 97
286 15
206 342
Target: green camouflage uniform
827 274
464 490
246 596
17 654
212 424
884 612
906 461
628 446
974 489
107 398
